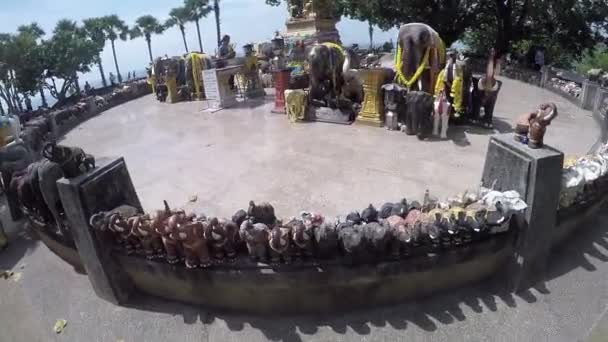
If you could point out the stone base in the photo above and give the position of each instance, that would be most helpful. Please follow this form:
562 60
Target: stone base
253 93
326 114
312 31
361 120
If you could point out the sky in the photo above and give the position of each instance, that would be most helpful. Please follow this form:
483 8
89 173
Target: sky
245 21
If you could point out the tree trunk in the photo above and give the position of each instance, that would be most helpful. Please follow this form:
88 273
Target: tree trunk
184 38
149 41
216 9
18 101
102 73
116 63
198 31
2 112
371 35
77 84
42 96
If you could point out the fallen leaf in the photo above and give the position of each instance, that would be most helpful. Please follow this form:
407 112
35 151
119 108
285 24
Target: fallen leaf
60 325
6 274
16 276
22 266
193 198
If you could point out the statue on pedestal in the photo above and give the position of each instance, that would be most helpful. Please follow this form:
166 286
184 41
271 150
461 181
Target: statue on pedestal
251 72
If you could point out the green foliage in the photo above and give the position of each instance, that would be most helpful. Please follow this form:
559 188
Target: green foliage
115 28
198 9
146 26
596 58
178 16
67 53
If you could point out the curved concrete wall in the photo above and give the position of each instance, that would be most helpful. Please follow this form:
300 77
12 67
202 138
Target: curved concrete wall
320 288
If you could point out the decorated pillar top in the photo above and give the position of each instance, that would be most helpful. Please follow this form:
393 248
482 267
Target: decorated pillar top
311 9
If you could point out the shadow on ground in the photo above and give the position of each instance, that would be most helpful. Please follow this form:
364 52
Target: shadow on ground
444 308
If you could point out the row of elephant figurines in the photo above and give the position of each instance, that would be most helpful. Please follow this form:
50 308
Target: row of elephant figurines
420 113
393 232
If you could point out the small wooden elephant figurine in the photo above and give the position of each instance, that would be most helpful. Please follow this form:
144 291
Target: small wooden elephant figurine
222 235
263 213
531 128
115 221
326 236
194 242
401 235
280 244
302 237
255 236
171 240
151 241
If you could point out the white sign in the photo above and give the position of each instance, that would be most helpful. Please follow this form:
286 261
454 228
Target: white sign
212 89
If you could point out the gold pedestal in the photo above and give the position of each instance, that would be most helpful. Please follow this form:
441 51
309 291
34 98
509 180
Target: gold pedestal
372 111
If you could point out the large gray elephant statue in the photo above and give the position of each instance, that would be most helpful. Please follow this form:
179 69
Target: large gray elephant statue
328 64
420 57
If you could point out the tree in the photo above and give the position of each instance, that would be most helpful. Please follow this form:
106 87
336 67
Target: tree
95 29
146 26
198 9
115 28
35 66
179 16
216 10
67 53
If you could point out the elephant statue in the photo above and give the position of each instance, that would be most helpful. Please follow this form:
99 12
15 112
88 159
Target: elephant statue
328 63
530 128
222 235
255 235
279 241
302 235
263 213
418 114
13 158
538 124
194 242
485 92
420 57
326 237
151 242
295 104
391 209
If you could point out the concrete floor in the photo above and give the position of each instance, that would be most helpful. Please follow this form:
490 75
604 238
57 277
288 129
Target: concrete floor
232 156
176 151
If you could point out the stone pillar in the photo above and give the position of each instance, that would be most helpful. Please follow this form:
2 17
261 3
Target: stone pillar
281 82
102 189
171 84
372 111
544 76
536 175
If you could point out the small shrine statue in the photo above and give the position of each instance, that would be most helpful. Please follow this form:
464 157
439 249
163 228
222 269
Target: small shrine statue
531 128
296 8
278 48
226 50
251 73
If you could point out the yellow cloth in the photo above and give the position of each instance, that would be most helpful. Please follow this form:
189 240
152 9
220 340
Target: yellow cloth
455 90
197 72
337 47
400 77
434 57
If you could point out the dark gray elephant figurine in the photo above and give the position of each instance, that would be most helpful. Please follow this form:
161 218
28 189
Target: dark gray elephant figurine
418 114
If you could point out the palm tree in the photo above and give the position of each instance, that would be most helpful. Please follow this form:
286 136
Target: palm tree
198 9
179 16
94 27
146 26
216 9
115 28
